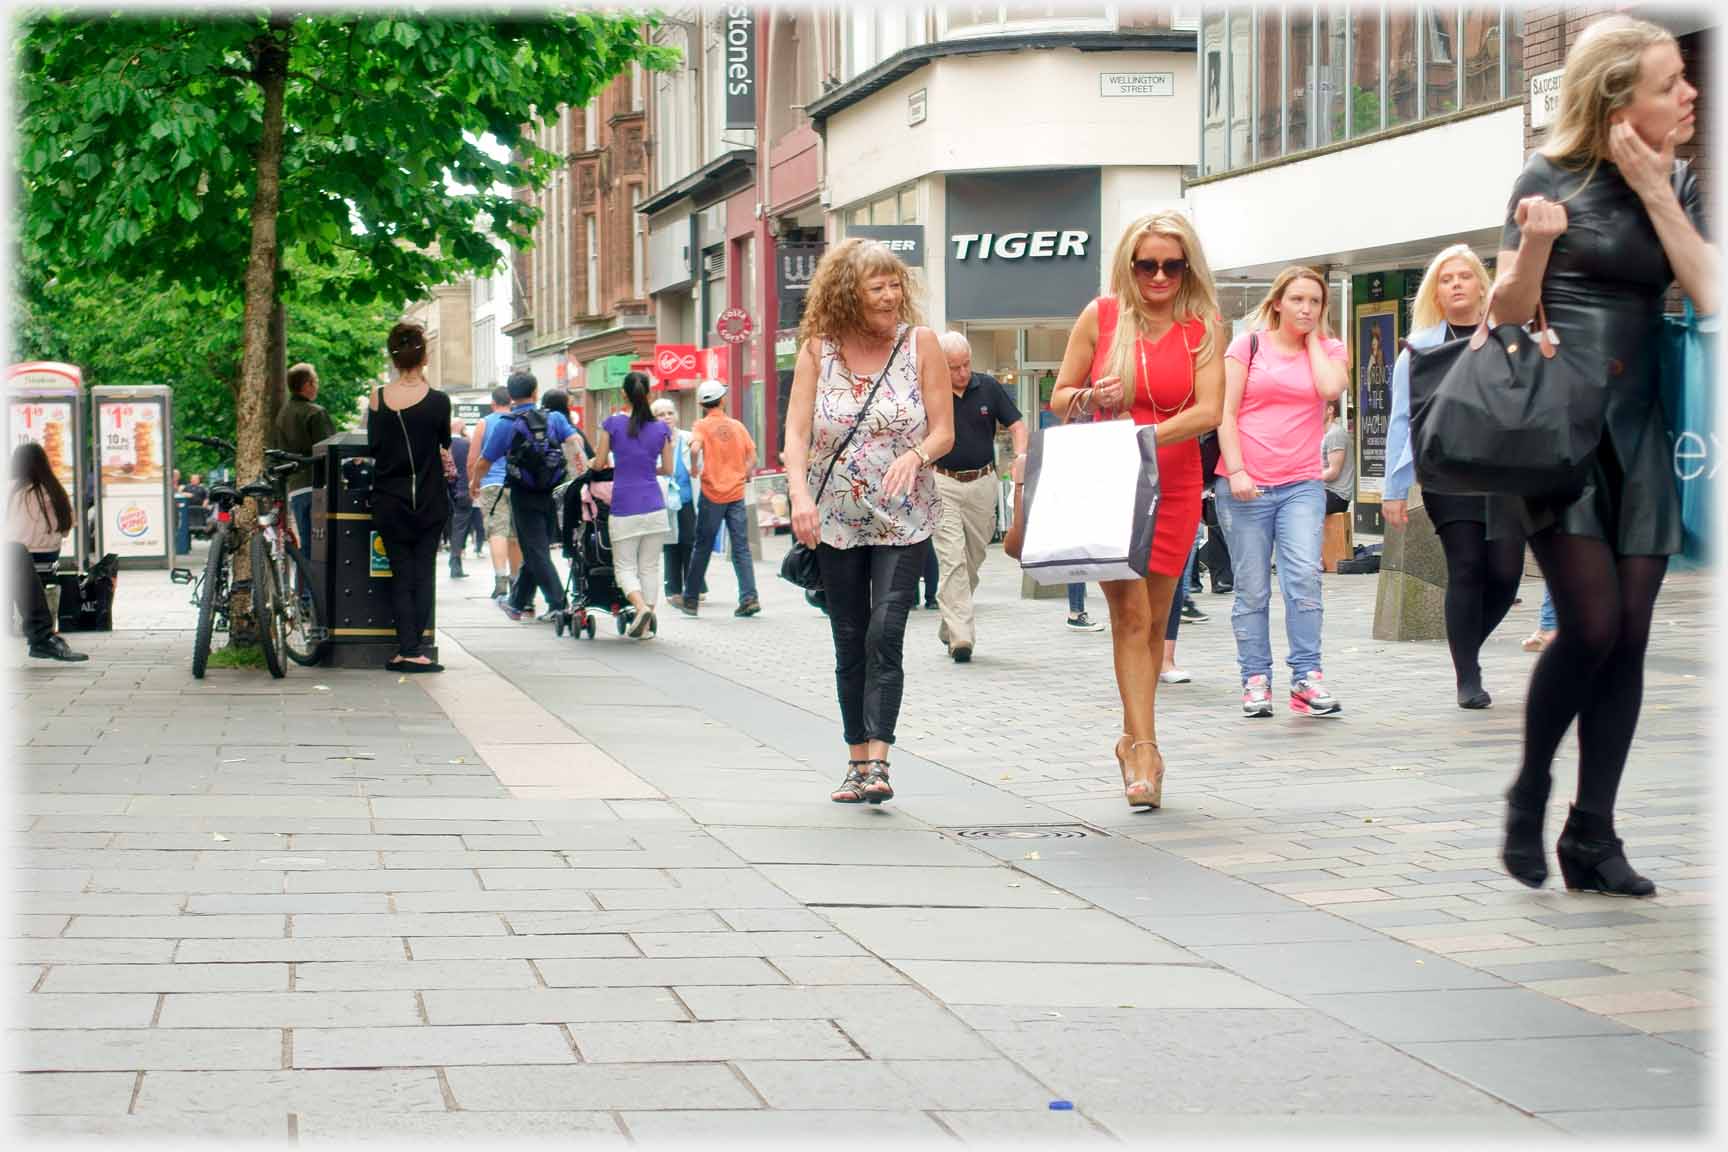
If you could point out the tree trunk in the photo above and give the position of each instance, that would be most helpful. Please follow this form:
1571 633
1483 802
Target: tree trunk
270 71
276 390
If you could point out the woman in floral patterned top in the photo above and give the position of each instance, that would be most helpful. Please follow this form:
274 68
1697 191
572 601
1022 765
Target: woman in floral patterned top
870 523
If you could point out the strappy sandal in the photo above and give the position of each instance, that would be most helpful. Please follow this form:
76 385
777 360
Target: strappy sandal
851 790
1142 793
876 785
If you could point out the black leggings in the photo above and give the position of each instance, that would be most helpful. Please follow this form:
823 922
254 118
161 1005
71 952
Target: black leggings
870 590
412 587
1481 582
1593 669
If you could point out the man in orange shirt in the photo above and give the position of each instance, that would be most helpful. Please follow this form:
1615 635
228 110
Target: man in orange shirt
721 447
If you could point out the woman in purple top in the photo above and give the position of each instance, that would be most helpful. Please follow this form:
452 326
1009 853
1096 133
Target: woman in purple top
638 449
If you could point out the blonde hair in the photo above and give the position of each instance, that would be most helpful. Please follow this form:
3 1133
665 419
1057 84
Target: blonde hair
832 306
1426 312
1197 298
1601 77
1266 316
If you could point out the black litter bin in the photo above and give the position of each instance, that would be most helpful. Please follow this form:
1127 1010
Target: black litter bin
348 560
182 523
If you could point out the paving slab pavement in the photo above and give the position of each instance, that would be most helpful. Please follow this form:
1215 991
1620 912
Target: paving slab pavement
595 889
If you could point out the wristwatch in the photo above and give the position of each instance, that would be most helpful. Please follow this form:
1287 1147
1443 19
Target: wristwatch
922 455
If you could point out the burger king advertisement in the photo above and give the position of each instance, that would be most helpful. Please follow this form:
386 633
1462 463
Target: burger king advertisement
133 499
43 405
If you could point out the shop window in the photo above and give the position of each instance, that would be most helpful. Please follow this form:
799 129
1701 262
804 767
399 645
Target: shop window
1212 86
1299 70
1513 53
1241 70
1330 89
1401 78
908 205
1365 86
1440 63
1268 93
1480 50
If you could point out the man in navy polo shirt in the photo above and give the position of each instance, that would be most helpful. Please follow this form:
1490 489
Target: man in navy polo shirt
531 509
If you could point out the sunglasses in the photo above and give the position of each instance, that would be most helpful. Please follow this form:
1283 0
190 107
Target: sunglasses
1170 268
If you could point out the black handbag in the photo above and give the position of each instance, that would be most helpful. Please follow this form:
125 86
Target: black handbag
800 567
1505 411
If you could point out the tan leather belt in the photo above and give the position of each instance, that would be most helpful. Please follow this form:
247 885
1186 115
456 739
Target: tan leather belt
965 475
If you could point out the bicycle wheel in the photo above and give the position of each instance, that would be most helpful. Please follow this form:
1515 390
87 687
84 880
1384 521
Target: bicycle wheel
267 604
303 632
214 587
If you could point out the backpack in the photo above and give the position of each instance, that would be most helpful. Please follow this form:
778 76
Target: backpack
535 462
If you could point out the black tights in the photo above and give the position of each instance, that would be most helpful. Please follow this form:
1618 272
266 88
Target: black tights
1593 669
1481 583
412 587
870 590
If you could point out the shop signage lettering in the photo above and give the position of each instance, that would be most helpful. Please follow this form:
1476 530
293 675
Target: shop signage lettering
1137 83
1544 99
904 240
1016 245
675 362
740 67
1020 244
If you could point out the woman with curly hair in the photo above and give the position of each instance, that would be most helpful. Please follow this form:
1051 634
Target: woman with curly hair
866 501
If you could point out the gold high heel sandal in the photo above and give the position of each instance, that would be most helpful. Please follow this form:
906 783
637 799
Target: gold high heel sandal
1139 793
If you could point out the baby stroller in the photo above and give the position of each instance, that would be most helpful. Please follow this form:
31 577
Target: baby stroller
584 508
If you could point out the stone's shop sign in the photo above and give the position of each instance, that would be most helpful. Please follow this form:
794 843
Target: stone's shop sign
1021 244
1015 245
740 67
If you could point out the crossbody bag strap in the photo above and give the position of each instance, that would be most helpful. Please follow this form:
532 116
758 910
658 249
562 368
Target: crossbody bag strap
859 420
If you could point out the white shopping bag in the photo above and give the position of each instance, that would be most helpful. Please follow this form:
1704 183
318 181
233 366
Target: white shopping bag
1091 502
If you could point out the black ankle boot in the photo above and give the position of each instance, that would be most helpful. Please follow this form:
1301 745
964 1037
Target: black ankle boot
1593 860
1522 854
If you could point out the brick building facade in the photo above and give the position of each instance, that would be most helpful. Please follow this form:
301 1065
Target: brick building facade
585 312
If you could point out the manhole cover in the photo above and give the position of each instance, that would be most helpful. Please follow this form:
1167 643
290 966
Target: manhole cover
1028 832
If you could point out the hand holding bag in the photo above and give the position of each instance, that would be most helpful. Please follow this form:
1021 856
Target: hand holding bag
800 567
1505 411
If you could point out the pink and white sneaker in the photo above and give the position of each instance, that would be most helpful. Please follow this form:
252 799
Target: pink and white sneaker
1308 697
1257 696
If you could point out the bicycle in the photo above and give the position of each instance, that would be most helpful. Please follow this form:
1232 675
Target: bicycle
288 612
289 609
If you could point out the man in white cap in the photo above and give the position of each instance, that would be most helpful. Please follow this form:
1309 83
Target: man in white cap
721 448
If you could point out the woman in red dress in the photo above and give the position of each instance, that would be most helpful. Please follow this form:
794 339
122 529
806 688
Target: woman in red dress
1152 350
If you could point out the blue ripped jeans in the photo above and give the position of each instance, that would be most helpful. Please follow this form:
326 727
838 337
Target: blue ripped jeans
1290 516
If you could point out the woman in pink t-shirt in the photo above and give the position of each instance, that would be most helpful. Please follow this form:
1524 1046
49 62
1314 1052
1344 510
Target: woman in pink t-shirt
1277 381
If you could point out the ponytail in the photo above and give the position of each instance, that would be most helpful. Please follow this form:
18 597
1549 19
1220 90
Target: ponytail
636 391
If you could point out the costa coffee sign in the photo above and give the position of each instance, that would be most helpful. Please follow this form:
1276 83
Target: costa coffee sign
676 362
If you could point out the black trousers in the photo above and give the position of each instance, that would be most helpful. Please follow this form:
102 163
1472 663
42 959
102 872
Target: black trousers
412 587
536 521
1216 554
931 571
870 591
28 594
462 524
675 558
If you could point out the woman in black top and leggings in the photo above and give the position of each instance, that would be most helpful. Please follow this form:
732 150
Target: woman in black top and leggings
406 424
1601 222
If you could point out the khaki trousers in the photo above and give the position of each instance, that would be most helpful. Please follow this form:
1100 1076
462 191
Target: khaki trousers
962 535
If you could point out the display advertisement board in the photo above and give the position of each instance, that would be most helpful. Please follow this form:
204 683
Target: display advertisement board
134 500
42 405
